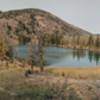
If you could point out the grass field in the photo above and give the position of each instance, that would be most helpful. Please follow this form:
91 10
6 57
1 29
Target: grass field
78 73
75 84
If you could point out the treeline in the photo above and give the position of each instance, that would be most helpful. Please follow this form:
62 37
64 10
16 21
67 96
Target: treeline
85 42
55 39
73 41
91 42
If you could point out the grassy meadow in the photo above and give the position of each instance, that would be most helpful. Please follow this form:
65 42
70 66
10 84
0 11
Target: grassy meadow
77 73
52 84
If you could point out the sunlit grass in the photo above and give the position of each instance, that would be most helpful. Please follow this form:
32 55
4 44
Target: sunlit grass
14 84
77 73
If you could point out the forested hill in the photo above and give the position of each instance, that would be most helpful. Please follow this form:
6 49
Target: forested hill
29 21
20 27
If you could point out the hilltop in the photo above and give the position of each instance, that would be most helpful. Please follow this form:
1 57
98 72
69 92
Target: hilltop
28 22
25 21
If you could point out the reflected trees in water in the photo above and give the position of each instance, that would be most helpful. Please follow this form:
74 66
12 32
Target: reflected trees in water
97 57
94 56
78 54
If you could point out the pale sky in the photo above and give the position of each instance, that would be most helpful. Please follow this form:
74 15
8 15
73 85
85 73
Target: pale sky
82 13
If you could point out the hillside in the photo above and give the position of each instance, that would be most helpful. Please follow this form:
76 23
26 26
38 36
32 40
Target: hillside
28 79
34 21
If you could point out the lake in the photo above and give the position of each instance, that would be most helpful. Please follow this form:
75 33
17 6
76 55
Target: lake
61 57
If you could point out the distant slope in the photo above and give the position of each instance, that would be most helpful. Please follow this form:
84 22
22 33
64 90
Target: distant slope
35 21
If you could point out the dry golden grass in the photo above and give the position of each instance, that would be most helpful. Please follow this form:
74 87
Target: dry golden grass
15 86
80 73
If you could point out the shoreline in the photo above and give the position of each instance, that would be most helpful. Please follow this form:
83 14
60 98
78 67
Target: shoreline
82 48
77 47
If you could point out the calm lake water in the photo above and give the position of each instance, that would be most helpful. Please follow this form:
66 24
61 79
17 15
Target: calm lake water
61 57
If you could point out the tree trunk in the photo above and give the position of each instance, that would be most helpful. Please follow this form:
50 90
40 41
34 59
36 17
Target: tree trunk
41 68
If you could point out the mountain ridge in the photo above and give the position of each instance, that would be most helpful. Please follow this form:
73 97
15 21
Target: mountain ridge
49 22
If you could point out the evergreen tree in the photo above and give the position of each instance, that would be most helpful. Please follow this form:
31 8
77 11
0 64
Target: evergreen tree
41 53
97 41
90 41
31 59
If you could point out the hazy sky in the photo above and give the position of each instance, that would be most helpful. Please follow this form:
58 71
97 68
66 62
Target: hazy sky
82 13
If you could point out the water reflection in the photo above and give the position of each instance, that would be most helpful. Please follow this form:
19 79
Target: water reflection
94 56
55 56
78 54
90 56
72 57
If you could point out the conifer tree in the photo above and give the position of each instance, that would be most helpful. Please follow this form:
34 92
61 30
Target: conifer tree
97 41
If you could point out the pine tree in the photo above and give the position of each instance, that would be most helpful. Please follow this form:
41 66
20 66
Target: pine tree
41 54
90 41
31 59
97 41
